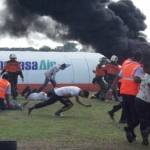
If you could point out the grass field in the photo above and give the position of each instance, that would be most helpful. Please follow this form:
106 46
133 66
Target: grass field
80 129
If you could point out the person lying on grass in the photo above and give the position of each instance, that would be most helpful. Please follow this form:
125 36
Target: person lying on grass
33 95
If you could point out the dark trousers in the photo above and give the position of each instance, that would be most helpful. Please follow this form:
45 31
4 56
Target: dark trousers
13 79
110 78
143 112
117 108
130 111
14 88
103 88
53 99
2 104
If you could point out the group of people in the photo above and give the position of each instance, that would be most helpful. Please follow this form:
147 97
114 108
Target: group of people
62 94
130 86
8 87
105 74
132 79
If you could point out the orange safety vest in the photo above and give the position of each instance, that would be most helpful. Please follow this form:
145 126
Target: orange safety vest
12 66
4 84
128 85
112 69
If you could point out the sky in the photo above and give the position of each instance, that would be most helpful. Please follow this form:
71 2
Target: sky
143 5
38 40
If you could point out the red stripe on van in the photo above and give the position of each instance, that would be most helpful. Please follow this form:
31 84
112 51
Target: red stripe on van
89 87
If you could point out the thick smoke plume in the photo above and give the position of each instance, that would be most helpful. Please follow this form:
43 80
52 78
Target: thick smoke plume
109 27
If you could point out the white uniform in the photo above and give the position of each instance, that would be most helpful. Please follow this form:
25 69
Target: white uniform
41 96
67 90
50 74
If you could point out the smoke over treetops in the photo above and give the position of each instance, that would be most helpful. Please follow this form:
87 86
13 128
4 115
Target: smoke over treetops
109 27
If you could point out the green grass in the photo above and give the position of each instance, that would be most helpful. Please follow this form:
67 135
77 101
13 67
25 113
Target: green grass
80 129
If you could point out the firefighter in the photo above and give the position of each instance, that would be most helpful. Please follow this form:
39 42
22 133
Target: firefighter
99 80
13 69
112 70
5 91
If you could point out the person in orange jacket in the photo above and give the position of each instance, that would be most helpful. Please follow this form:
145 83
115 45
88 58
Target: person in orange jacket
13 69
112 70
5 91
100 80
131 74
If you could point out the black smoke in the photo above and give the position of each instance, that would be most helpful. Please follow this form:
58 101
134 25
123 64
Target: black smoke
109 27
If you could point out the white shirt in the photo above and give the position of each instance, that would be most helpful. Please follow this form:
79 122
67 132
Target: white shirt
67 90
41 96
50 74
144 91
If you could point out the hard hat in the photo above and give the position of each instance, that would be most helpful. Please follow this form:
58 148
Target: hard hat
114 58
12 56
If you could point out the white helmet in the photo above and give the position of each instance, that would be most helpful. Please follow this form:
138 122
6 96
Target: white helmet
114 58
12 56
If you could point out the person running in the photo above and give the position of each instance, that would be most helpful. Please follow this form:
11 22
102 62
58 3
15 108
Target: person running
100 80
112 69
131 74
50 75
118 106
62 95
142 105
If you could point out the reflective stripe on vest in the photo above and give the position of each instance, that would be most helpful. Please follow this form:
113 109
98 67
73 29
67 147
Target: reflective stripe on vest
129 79
128 85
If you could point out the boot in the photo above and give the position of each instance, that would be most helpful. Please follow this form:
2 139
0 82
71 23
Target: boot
131 137
145 134
111 114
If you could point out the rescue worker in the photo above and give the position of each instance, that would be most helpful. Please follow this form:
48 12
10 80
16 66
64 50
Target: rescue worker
131 74
5 91
100 80
62 95
13 69
112 70
50 75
